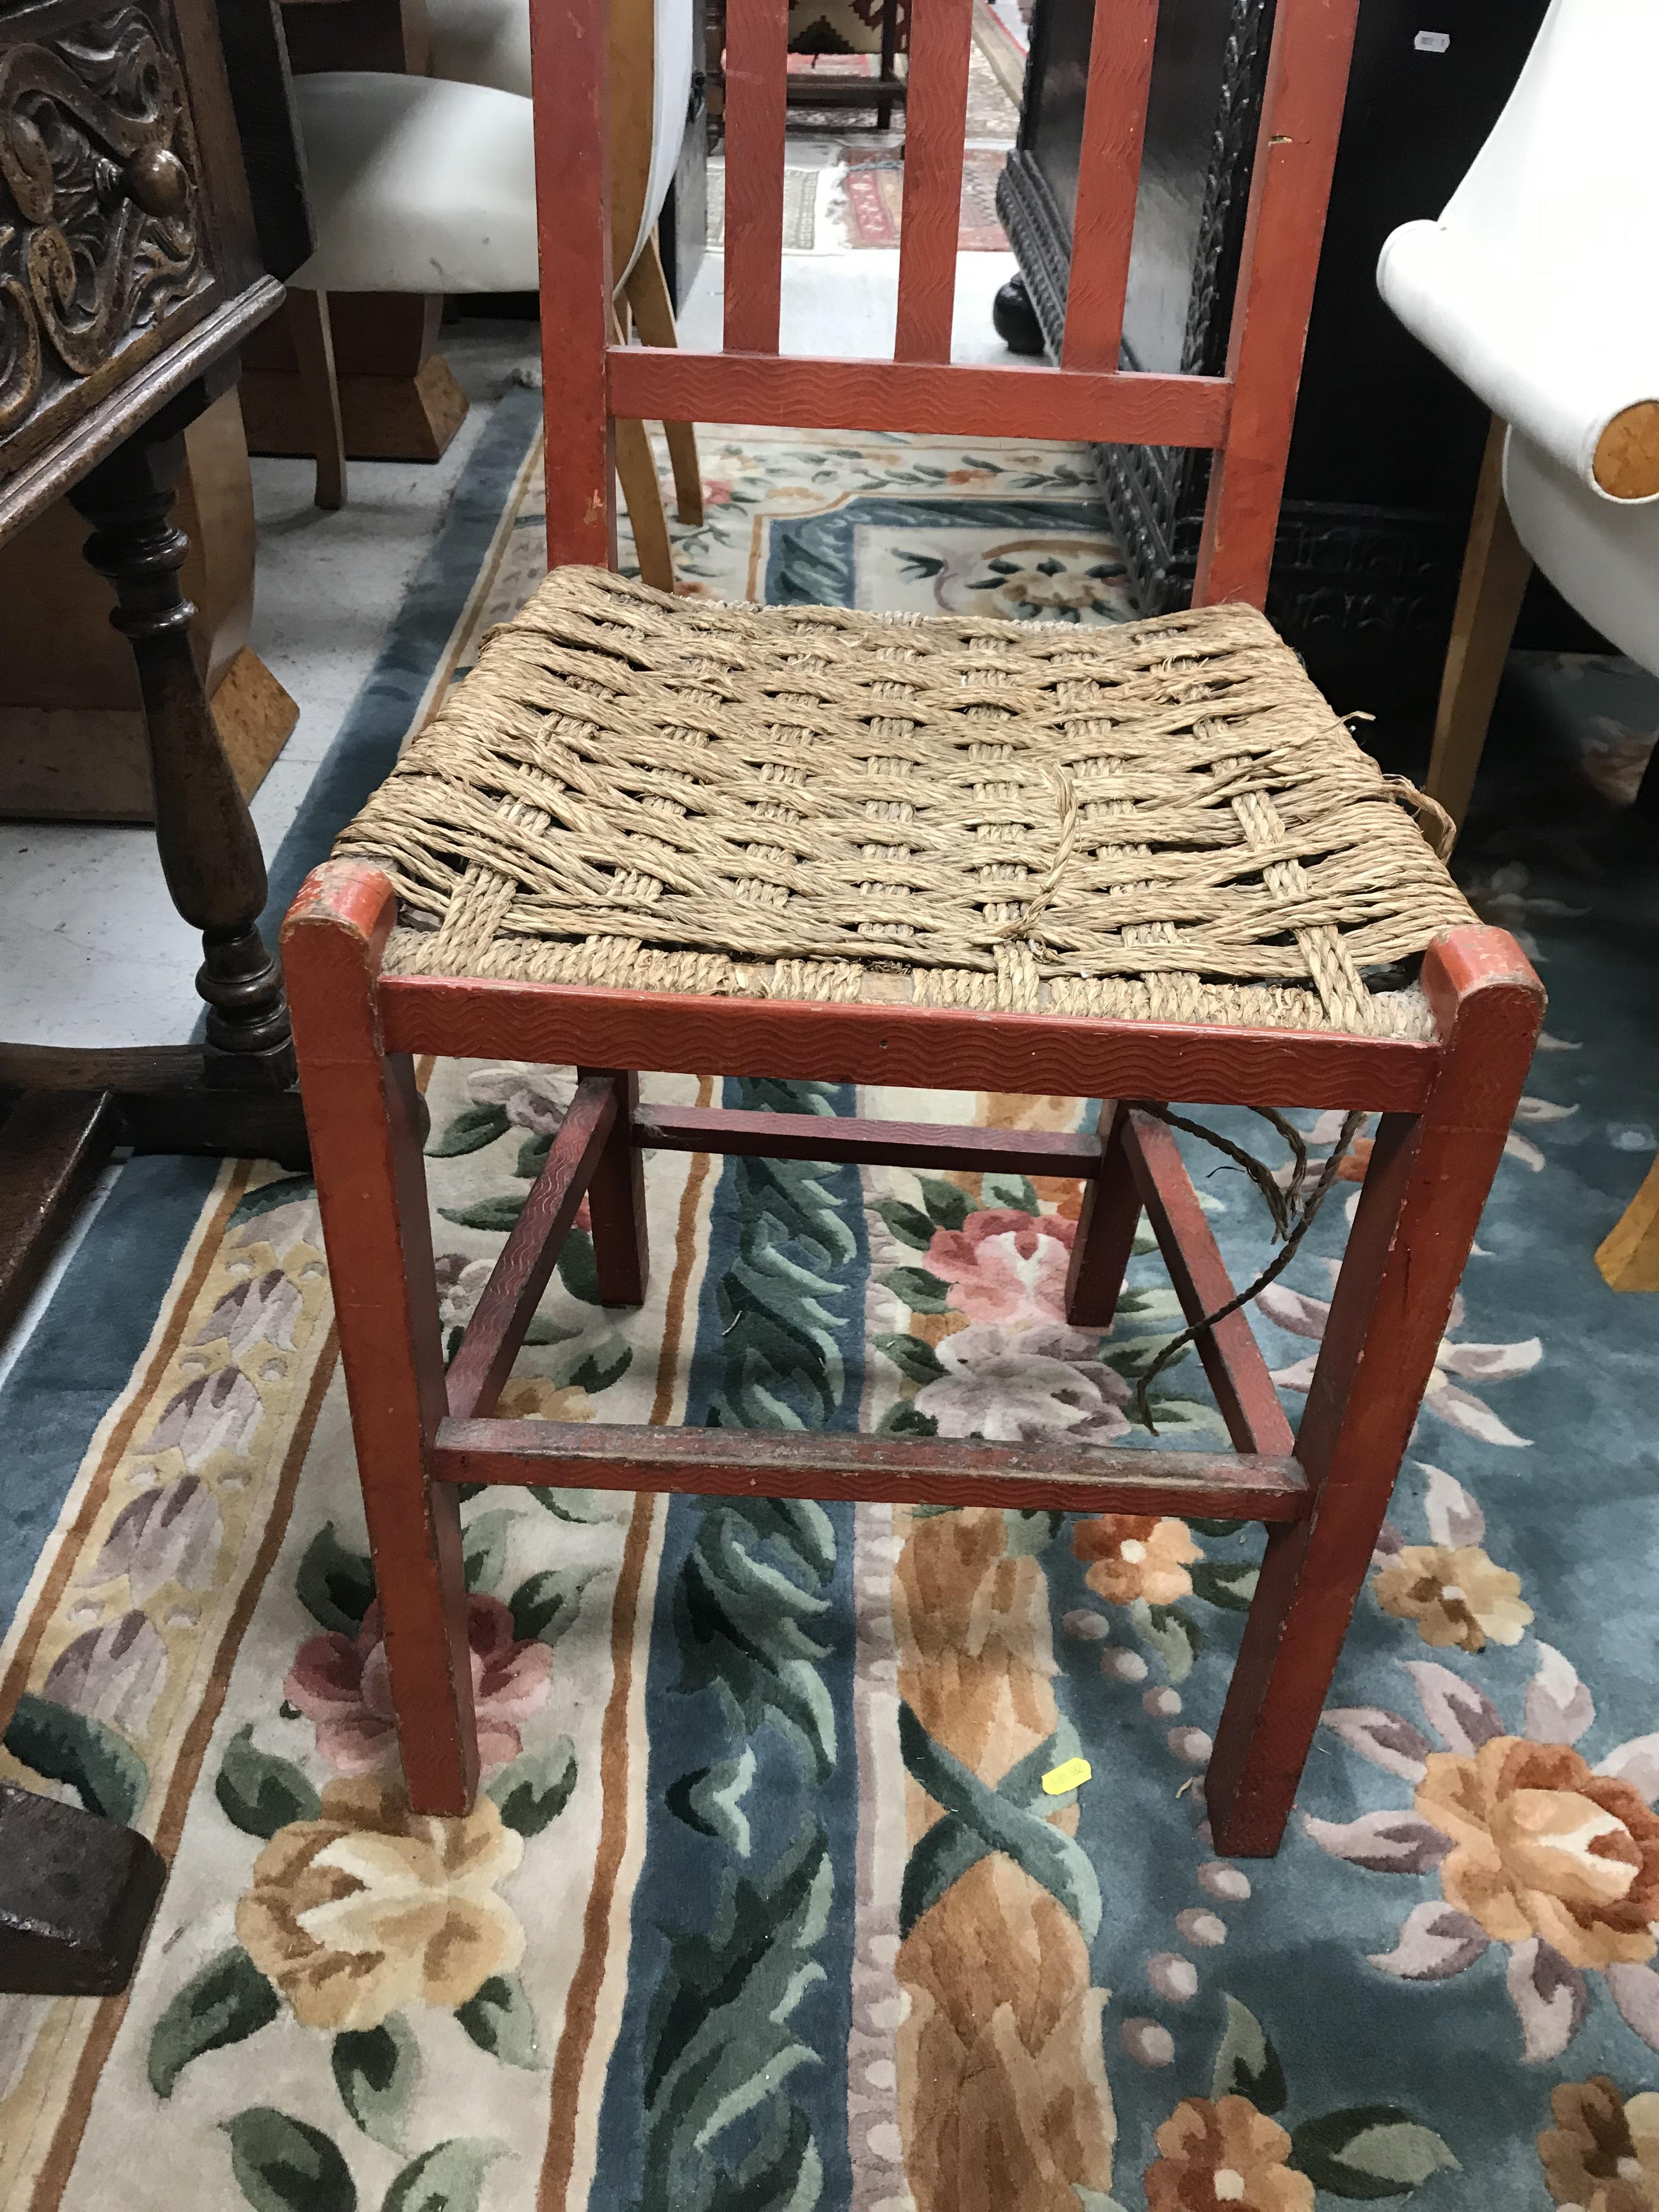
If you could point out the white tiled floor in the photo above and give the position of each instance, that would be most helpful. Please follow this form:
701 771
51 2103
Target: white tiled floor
846 303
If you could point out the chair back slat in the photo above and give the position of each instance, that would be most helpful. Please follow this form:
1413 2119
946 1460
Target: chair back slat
941 39
756 60
1108 180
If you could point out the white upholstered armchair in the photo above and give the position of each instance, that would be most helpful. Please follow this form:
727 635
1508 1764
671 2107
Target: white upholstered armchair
1537 287
426 183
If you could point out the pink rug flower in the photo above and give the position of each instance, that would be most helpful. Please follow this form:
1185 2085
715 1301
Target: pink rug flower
342 1684
1005 1266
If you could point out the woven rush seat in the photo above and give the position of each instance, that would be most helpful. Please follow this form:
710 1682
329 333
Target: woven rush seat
1163 821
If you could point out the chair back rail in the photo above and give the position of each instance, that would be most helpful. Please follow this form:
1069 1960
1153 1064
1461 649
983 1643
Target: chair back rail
1245 416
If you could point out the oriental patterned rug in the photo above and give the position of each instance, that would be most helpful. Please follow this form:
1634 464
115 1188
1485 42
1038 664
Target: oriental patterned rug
764 1906
873 185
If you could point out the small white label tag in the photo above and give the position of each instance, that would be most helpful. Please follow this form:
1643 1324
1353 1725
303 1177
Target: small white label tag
1432 42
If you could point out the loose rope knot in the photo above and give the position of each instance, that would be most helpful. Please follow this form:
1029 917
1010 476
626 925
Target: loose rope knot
1065 794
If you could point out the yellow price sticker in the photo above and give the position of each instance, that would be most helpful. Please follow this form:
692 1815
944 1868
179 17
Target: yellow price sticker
1072 1776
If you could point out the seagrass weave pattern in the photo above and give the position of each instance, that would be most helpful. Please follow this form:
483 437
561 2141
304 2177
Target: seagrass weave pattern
1163 821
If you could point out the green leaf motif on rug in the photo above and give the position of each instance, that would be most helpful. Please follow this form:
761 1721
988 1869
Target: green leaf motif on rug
484 1539
1015 1191
470 1130
779 1361
583 1505
1362 2153
532 1155
486 1212
1247 2065
545 1606
94 1758
948 1205
228 2000
448 2177
740 1622
499 2019
1232 1587
335 1586
907 1223
270 1198
710 1800
921 1291
531 1793
1028 1531
748 1601
1371 2151
375 2071
913 1356
283 2164
718 2043
577 1271
260 1792
1177 1638
596 1365
979 1820
904 1418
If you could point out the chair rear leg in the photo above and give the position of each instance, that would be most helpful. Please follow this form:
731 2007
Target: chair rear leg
1425 1184
653 317
1105 1230
363 1114
616 1201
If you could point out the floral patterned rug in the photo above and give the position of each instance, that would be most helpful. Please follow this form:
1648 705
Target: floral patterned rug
764 1905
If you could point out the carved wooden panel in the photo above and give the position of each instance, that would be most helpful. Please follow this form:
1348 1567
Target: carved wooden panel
103 241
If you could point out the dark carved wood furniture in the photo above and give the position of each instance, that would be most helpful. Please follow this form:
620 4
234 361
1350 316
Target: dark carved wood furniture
131 269
132 264
72 743
581 919
1388 444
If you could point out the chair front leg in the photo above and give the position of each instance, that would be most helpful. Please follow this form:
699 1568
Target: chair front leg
1425 1184
363 1113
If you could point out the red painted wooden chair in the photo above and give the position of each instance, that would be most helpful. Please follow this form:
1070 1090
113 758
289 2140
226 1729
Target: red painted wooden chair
1139 863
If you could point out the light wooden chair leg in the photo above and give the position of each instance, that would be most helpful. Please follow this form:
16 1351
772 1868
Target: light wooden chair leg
364 1115
313 348
636 470
1105 1230
653 318
1424 1185
616 1201
1497 568
1628 1255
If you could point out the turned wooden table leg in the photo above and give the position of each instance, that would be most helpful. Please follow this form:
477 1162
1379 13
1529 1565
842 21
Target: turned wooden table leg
209 851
